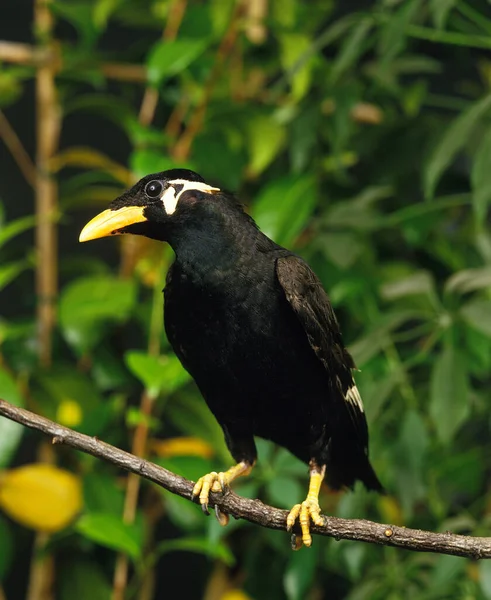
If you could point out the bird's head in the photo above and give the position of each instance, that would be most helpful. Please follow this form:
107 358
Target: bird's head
151 205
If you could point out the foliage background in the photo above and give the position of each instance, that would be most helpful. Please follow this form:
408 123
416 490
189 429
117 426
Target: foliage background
357 133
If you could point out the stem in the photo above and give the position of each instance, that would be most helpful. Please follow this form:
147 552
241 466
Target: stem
17 150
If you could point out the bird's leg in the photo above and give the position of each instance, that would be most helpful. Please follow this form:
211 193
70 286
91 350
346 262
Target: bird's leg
309 509
218 482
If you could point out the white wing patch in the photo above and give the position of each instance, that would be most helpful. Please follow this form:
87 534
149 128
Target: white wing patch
353 397
171 195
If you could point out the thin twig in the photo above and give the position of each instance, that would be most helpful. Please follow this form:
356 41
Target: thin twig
24 54
17 150
255 511
35 56
126 72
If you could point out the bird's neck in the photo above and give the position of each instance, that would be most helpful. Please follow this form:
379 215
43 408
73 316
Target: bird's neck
212 248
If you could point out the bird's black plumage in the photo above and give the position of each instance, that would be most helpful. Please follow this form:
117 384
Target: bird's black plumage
252 324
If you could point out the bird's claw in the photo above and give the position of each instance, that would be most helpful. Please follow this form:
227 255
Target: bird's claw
308 511
222 517
212 482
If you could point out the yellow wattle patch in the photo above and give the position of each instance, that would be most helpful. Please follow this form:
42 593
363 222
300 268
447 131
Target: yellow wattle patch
40 496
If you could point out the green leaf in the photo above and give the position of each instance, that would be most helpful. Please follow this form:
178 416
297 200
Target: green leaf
10 230
445 573
377 337
409 454
192 416
481 178
293 46
469 280
353 46
453 140
10 87
440 10
145 161
10 271
420 282
102 494
477 313
10 432
162 373
109 530
485 578
90 303
449 400
64 383
265 137
342 249
182 513
7 553
284 492
78 14
394 33
102 11
214 550
168 58
300 573
80 579
284 207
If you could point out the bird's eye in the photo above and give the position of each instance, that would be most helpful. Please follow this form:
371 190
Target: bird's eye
153 189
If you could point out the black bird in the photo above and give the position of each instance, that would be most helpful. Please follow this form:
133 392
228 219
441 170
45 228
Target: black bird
252 324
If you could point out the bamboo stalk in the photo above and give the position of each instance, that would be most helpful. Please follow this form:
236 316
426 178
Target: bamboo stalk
48 126
42 568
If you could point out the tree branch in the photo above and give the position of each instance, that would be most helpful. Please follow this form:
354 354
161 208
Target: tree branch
255 511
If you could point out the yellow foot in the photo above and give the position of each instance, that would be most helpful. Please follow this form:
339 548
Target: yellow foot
305 512
212 482
218 482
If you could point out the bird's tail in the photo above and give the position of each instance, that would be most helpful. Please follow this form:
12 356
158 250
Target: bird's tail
345 468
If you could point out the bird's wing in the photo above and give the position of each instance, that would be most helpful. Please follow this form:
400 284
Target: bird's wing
310 303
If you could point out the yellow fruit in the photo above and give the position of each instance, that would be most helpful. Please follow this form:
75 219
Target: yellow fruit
182 446
235 595
69 413
40 496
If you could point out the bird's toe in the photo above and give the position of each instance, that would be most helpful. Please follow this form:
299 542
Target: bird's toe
203 487
292 516
306 512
